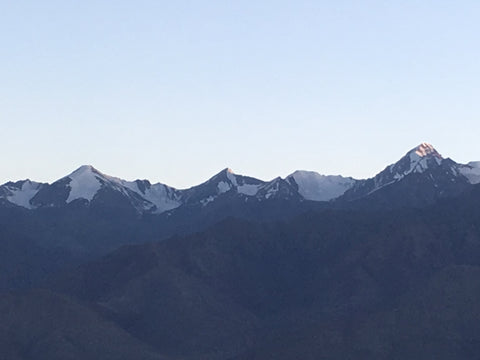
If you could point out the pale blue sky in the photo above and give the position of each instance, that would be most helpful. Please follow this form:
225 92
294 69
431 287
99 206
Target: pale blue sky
175 91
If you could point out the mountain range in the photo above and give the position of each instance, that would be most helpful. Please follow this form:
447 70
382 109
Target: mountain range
306 267
87 185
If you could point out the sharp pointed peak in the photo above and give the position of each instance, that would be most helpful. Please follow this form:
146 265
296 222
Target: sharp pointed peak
277 179
417 160
425 150
86 170
227 172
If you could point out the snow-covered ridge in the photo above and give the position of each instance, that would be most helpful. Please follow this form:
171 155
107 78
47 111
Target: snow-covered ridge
424 161
226 181
243 188
317 187
162 196
87 183
22 192
416 161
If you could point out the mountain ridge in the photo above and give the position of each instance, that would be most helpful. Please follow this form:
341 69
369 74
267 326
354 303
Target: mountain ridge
86 184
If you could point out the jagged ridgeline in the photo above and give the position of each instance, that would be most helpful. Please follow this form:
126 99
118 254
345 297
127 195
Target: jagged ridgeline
306 267
87 213
88 186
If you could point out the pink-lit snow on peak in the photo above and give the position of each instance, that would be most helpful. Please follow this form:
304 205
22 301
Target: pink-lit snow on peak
425 149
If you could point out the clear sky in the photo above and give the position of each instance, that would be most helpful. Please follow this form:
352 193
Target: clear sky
175 91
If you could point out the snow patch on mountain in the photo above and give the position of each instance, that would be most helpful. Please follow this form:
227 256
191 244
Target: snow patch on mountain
84 183
239 183
204 202
425 149
272 188
317 187
471 171
132 185
248 189
162 197
223 187
419 165
231 176
22 196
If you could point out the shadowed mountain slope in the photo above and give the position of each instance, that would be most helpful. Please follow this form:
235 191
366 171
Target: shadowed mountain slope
313 286
40 325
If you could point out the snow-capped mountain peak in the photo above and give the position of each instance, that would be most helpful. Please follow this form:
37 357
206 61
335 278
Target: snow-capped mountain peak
416 160
421 168
84 183
425 149
85 168
225 182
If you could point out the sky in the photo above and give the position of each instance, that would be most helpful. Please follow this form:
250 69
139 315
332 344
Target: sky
175 91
